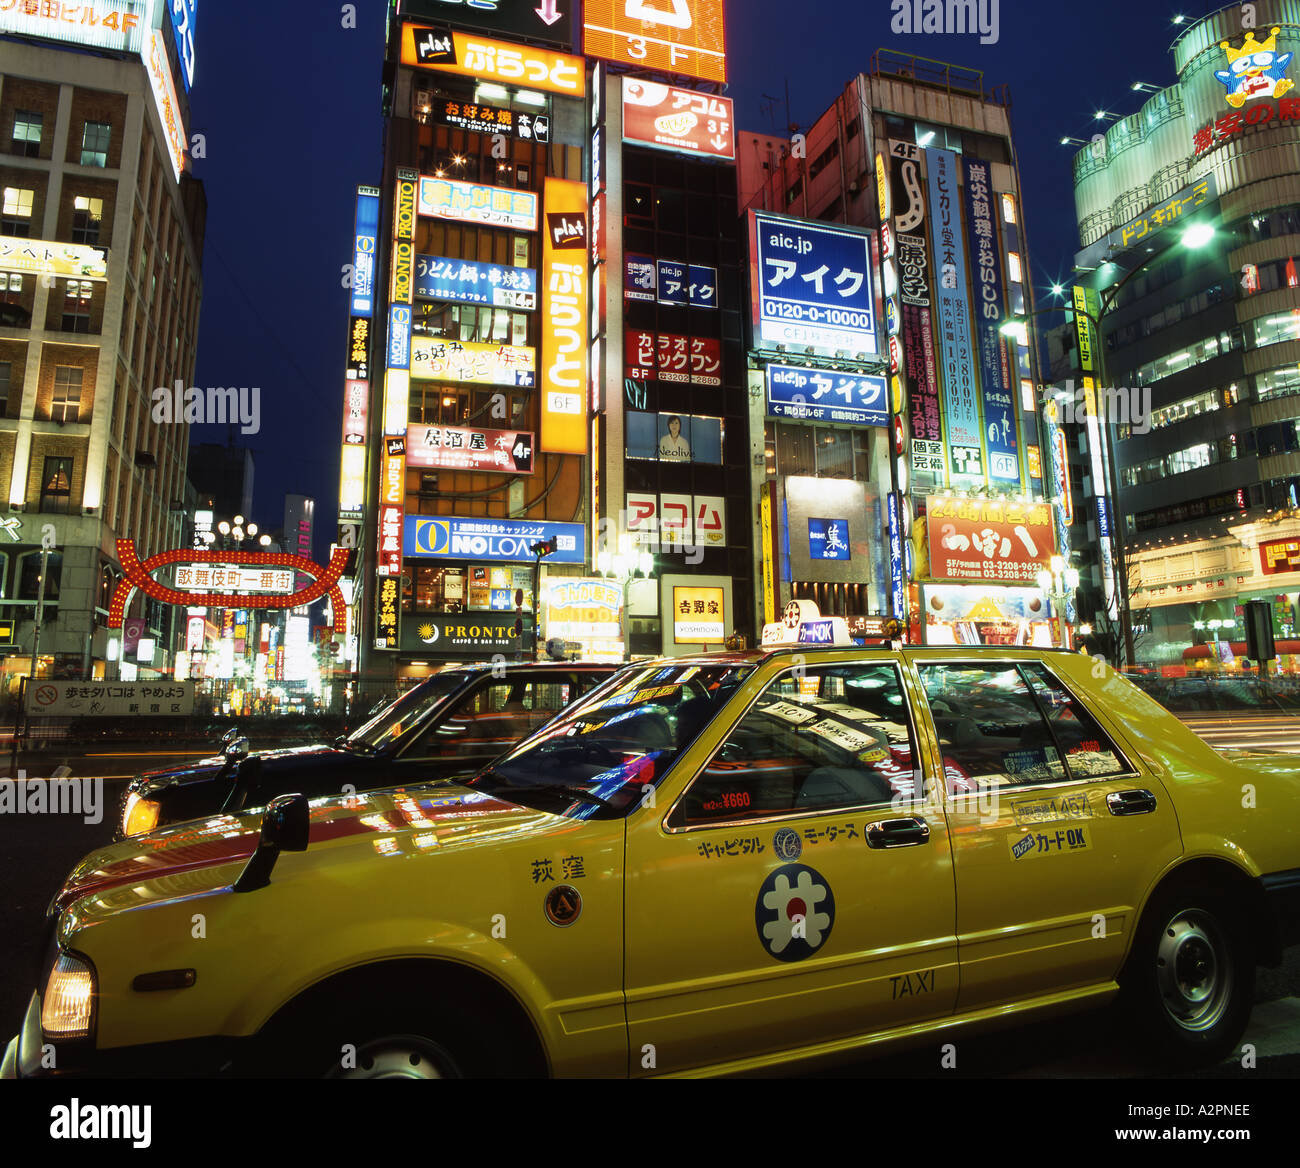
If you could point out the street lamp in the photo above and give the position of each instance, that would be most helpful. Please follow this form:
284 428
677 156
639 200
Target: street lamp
1059 583
623 566
1195 236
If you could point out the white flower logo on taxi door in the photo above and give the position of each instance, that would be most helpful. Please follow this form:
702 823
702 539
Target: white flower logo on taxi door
794 912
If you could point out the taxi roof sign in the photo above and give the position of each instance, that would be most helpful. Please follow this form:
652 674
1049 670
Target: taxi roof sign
803 624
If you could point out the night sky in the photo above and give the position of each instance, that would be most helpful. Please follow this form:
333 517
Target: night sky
289 103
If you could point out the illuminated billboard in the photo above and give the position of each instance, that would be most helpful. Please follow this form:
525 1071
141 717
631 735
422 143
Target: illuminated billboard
363 263
441 359
444 198
154 55
686 37
465 448
565 352
678 119
471 55
52 259
121 25
467 282
534 20
501 540
184 14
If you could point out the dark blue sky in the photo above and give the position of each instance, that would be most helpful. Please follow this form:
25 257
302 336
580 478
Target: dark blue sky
289 102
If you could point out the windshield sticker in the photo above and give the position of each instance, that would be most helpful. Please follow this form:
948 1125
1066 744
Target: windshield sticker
852 713
1074 839
794 912
1052 810
787 844
737 847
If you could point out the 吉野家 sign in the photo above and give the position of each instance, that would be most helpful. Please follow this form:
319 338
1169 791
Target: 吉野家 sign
471 55
470 361
686 37
110 699
501 540
467 282
461 448
678 119
821 395
444 198
812 285
698 616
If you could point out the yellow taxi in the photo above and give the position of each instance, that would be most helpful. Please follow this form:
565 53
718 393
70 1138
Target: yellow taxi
731 863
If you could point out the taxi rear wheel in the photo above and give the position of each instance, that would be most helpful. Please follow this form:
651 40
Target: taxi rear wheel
1189 983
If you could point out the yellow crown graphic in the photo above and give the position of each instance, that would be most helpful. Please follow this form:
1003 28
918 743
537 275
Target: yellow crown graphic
1251 45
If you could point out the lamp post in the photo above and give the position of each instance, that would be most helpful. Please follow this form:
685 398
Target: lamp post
1058 583
623 566
1194 237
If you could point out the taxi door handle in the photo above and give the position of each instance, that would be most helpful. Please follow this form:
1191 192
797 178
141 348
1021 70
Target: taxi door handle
897 833
1131 802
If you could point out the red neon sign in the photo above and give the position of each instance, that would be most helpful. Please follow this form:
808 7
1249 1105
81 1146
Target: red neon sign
138 575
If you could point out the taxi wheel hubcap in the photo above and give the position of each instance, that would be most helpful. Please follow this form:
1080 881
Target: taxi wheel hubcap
395 1058
1193 970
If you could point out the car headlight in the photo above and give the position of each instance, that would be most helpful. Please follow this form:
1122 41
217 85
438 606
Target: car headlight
140 814
67 1006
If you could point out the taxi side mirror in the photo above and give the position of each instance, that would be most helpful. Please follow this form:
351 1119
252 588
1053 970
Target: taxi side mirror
285 827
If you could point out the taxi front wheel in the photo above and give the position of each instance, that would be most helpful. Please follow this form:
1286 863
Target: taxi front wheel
1189 983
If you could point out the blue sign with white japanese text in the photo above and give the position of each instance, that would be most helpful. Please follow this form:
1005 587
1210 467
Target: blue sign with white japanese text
824 395
363 263
828 539
995 374
466 282
183 13
673 283
704 287
812 285
500 540
399 336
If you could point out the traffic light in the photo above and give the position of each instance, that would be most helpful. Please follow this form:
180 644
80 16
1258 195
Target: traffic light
1259 631
545 548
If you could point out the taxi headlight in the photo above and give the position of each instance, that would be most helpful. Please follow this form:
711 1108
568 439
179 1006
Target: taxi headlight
67 1005
139 815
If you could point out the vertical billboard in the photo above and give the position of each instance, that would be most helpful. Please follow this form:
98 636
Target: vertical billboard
154 54
184 14
1087 308
812 286
961 408
565 309
686 37
363 262
990 312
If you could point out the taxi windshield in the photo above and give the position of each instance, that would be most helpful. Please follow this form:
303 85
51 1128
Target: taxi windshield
597 759
398 717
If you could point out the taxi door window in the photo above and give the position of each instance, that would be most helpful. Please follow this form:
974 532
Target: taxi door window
832 737
995 732
494 717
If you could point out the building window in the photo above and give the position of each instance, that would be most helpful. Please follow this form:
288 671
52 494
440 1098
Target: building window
87 215
17 211
29 573
11 287
94 144
56 485
27 133
76 306
66 406
6 371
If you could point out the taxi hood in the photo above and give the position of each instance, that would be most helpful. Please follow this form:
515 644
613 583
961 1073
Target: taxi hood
208 854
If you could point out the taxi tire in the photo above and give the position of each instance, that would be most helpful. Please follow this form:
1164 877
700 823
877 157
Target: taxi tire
1189 983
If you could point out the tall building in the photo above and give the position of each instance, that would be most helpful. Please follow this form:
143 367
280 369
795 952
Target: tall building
100 251
904 472
223 477
1201 331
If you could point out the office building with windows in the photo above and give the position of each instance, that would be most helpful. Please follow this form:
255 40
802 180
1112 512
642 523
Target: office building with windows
100 285
1189 221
